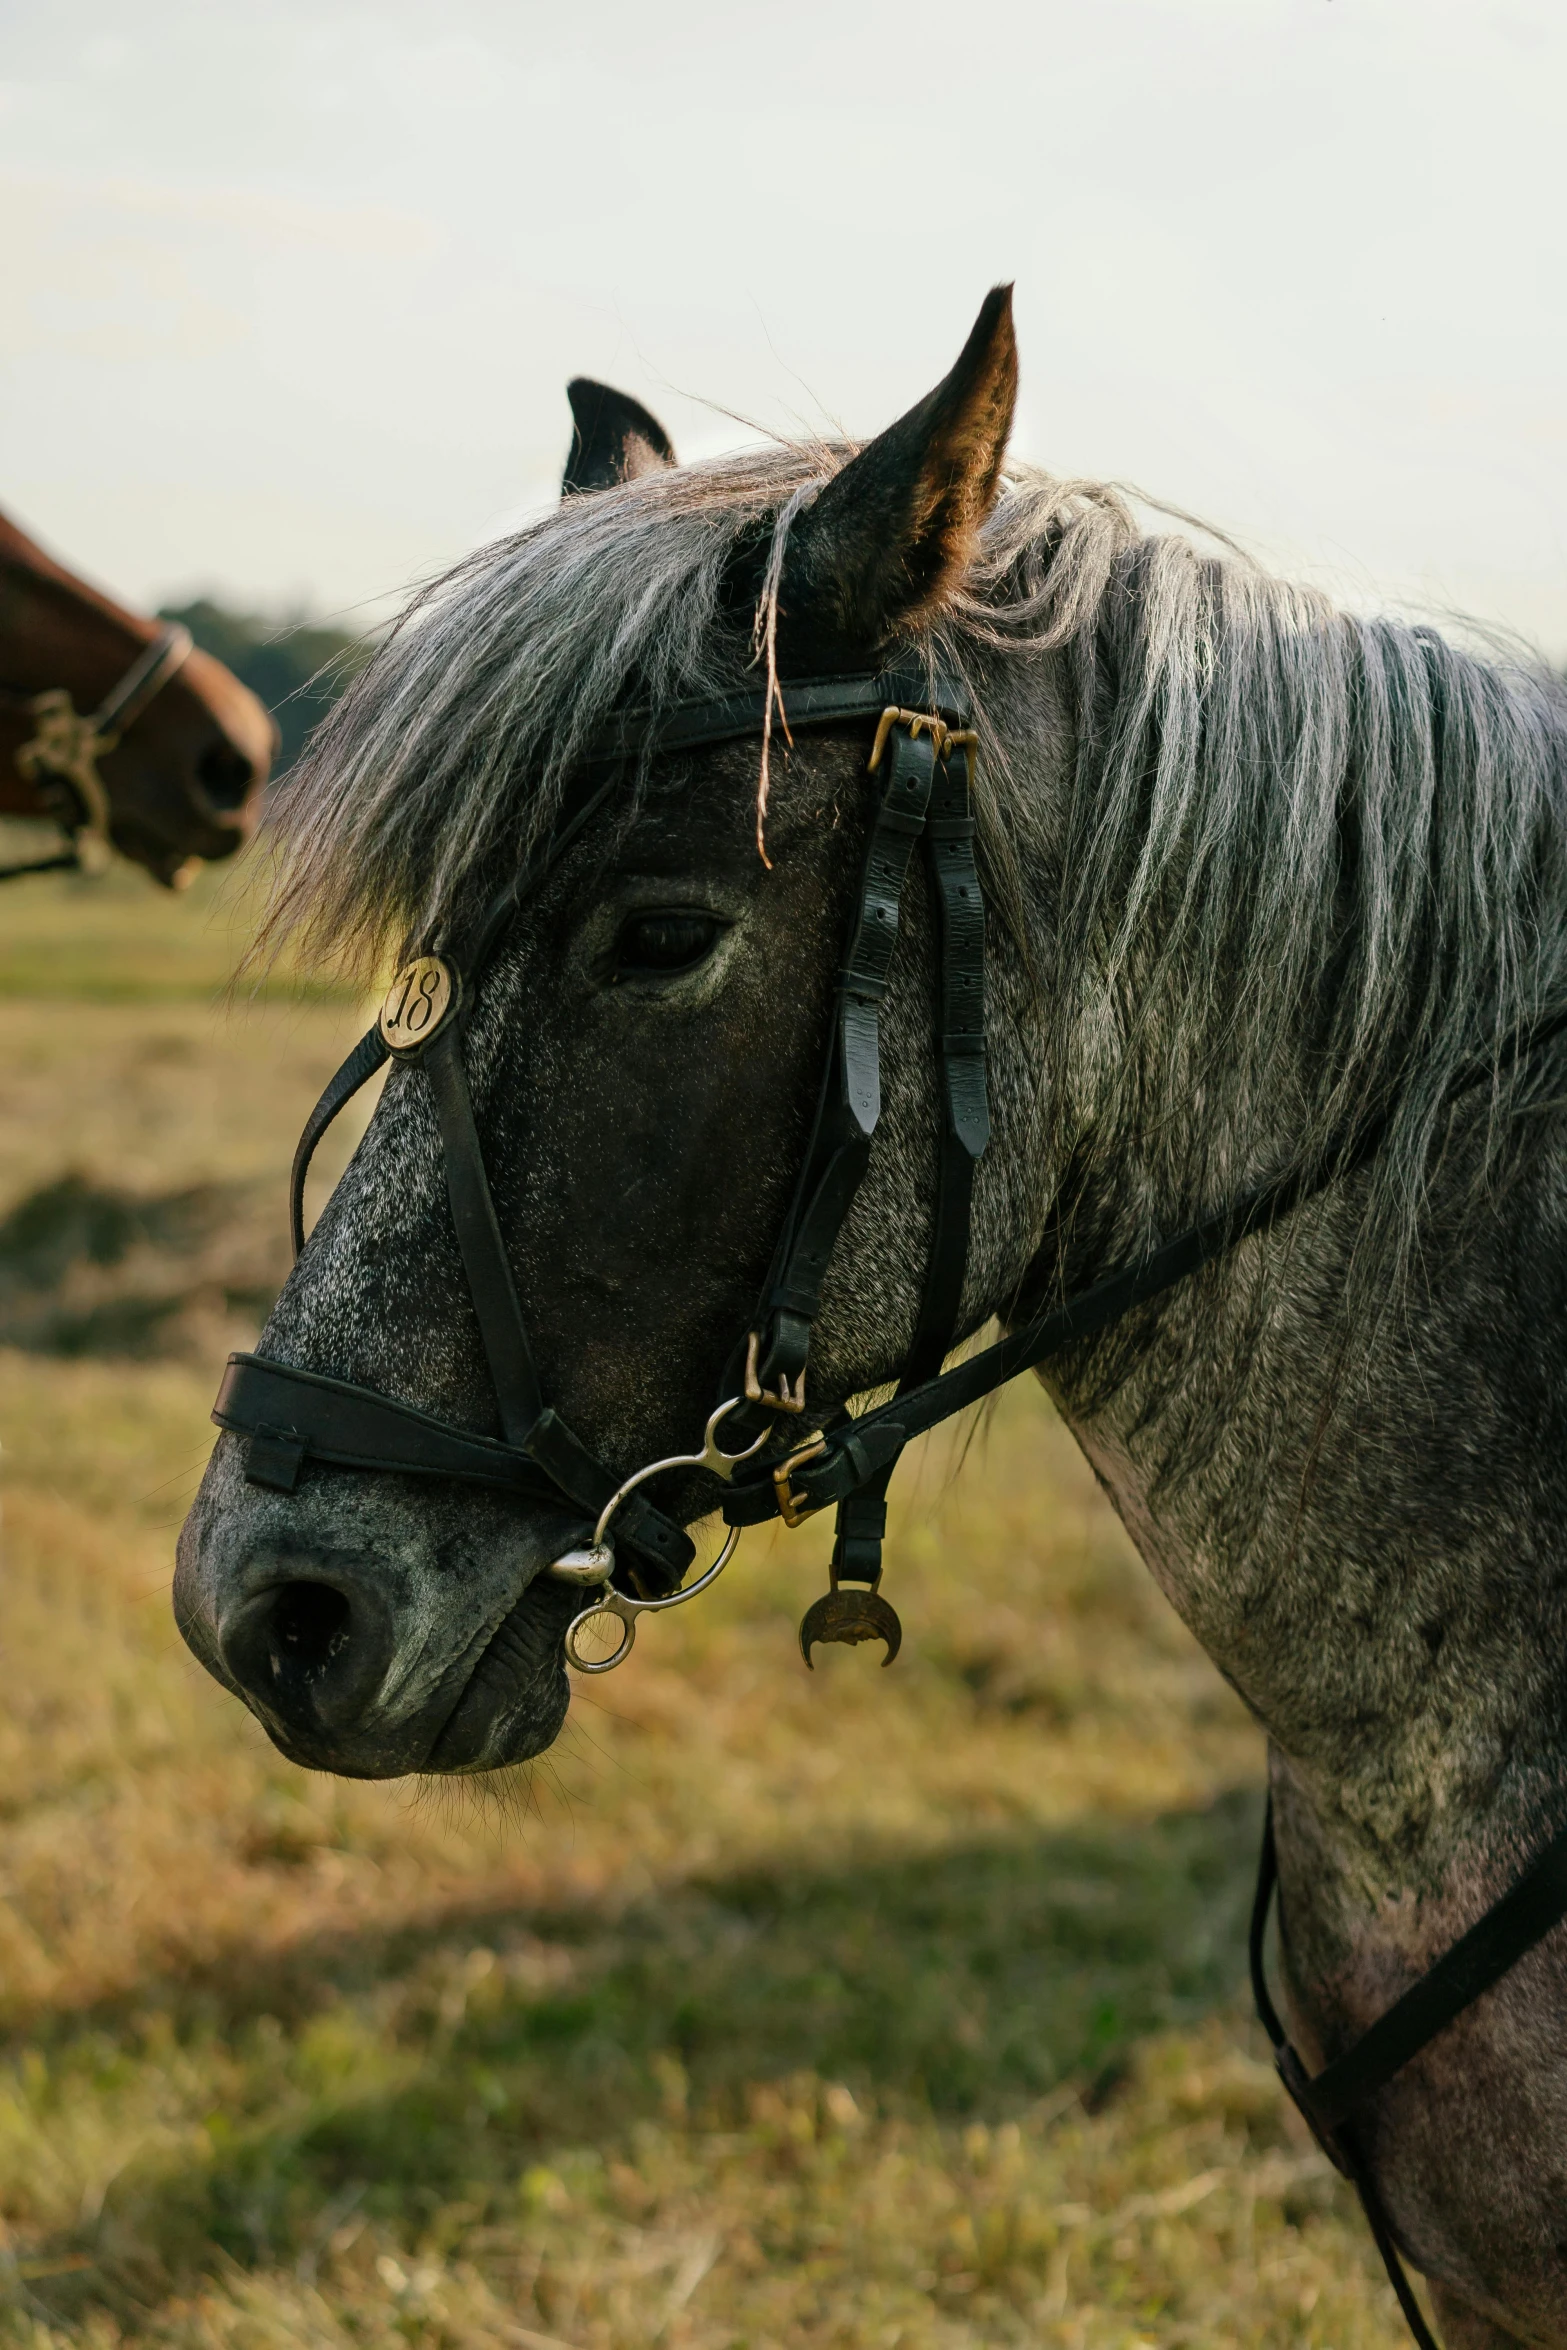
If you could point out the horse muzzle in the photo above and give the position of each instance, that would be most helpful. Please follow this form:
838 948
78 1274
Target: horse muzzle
380 1643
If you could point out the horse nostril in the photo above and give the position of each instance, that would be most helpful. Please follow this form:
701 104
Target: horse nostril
308 1653
312 1626
225 775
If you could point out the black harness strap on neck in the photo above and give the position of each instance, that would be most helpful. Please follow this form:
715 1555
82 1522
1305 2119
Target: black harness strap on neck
1513 1925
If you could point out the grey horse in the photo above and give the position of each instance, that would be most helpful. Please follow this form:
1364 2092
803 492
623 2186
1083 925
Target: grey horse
1256 868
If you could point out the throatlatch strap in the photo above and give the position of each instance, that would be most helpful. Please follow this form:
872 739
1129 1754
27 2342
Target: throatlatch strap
855 1450
850 1101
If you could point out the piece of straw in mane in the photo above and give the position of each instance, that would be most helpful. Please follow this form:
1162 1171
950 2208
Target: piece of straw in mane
764 646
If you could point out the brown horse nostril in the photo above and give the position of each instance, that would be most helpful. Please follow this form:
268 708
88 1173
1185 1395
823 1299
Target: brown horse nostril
225 776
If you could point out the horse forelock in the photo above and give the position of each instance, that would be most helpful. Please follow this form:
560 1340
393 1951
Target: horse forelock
446 759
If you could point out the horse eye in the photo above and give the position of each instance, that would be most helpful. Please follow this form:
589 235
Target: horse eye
664 942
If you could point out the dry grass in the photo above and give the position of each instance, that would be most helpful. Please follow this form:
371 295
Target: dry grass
846 2009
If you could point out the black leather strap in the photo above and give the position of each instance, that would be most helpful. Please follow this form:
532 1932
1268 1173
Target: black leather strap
1337 2143
361 1065
836 1472
849 1104
485 1261
963 1134
806 702
352 1427
1525 1913
839 1470
291 1416
960 1031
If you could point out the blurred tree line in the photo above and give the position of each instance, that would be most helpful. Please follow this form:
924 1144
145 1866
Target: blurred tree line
297 667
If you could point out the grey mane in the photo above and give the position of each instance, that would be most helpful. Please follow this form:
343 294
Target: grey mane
1285 823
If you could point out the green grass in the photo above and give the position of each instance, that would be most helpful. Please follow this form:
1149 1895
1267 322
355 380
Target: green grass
118 938
846 2009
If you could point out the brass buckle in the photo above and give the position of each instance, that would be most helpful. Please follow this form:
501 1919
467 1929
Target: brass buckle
789 1398
945 738
794 1508
918 722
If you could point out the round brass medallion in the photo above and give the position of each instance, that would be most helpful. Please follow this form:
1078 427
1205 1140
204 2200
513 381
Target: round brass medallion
417 1003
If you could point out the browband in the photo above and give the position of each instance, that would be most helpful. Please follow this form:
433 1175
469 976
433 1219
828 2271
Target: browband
798 703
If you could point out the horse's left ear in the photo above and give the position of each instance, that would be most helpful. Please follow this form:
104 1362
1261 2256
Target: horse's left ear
890 535
613 438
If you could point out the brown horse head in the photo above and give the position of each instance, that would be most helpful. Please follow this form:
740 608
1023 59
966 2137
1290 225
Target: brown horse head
184 778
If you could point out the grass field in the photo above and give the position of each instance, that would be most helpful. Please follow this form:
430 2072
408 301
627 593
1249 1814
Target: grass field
841 2009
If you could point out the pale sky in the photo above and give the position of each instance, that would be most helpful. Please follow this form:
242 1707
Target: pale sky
289 292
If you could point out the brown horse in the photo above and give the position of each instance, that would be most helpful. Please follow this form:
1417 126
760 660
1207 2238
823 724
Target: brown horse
116 728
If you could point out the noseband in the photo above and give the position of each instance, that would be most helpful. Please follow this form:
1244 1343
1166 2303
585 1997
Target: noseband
636 1559
61 759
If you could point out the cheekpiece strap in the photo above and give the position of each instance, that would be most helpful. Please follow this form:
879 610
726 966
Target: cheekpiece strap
849 1105
361 1065
491 1282
964 1125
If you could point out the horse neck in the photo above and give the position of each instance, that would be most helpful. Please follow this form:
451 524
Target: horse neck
1344 1458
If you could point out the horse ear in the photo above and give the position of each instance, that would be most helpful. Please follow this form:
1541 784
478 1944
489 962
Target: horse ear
892 533
613 438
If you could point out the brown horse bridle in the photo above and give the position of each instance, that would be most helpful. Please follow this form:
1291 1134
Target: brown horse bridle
60 759
288 1416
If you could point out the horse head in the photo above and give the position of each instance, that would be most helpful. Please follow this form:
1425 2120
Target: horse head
178 778
1258 875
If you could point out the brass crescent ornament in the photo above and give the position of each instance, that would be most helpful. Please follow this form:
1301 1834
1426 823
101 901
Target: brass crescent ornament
418 1003
850 1617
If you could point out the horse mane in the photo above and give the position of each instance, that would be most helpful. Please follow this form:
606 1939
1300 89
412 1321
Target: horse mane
1286 821
1313 864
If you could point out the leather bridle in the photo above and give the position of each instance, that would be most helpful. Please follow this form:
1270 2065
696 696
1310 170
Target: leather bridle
61 758
637 1558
